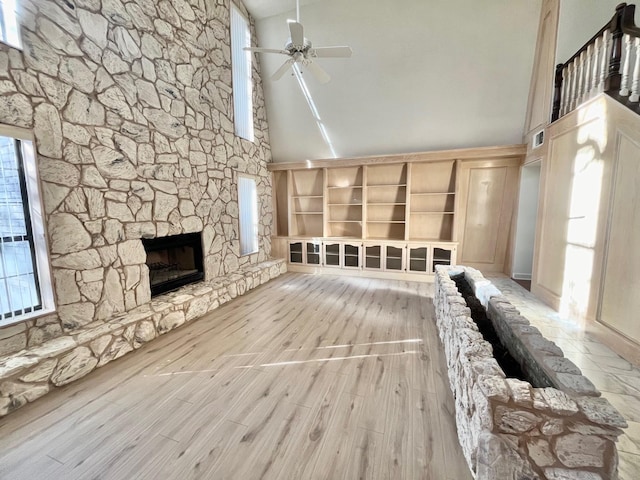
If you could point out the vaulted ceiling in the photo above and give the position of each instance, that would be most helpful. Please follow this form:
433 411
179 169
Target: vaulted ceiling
424 75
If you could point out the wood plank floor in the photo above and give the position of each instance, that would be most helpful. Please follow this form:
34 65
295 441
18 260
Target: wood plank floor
306 377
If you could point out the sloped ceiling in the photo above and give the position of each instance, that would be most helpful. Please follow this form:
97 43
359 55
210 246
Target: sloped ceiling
424 75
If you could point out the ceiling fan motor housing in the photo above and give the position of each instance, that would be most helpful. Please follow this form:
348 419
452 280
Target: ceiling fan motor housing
291 48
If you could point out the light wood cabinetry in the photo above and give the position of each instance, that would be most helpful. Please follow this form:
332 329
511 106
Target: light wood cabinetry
395 214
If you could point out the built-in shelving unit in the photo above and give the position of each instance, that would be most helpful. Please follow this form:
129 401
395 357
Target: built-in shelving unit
391 216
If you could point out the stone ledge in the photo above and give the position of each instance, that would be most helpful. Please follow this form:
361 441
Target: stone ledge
30 374
506 427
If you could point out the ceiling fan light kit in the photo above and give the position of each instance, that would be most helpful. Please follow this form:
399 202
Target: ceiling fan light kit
301 51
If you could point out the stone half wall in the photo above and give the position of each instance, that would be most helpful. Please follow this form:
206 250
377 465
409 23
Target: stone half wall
28 375
130 104
507 428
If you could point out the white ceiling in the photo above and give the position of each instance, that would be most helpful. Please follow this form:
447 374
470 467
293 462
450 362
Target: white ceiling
424 75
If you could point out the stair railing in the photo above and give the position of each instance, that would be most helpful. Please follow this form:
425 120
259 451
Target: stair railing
608 63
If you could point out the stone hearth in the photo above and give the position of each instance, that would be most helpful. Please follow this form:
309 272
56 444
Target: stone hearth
507 428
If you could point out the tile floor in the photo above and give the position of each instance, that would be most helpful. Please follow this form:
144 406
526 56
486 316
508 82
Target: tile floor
617 379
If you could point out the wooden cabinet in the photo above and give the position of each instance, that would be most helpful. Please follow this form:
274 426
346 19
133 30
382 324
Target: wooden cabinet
403 213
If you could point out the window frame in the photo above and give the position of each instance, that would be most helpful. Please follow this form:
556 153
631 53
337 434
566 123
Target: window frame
34 214
256 208
17 42
241 80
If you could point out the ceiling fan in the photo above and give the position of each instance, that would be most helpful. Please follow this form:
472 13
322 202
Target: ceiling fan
300 50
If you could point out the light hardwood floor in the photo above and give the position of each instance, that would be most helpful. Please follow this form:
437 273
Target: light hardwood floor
306 377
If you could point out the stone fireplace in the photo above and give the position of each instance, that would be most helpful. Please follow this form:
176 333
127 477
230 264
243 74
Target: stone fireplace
173 261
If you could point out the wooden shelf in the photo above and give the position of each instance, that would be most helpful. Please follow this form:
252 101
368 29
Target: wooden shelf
387 185
373 204
433 193
345 221
307 196
385 221
307 213
432 213
344 204
348 186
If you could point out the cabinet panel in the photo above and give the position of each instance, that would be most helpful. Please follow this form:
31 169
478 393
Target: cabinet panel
351 255
332 254
394 258
313 253
296 254
418 259
485 226
373 257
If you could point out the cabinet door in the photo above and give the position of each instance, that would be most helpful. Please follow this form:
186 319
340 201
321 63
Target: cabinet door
351 255
418 259
373 257
394 258
442 255
332 254
295 252
313 253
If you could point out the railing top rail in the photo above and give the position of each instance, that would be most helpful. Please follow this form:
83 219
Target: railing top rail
625 15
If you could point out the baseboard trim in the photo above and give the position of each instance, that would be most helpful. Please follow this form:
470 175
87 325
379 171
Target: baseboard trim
521 276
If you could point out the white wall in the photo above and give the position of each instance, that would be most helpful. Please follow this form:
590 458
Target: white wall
526 226
424 75
579 21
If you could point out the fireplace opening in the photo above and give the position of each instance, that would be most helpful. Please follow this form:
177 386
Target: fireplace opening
173 261
501 352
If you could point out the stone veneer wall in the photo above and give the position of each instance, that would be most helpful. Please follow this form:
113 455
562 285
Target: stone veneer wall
507 428
130 104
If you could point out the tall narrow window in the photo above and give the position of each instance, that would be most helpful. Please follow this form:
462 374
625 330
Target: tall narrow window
248 213
9 32
22 244
241 69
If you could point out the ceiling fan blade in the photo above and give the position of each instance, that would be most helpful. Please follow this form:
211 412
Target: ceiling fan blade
283 68
331 52
297 34
265 50
317 71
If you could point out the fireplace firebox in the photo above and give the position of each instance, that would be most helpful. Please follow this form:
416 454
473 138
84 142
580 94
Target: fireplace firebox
173 261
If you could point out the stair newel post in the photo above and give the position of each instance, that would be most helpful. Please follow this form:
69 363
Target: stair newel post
613 80
557 92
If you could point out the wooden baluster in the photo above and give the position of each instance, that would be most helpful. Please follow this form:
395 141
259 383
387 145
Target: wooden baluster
587 73
604 59
557 93
613 80
635 84
566 81
574 84
595 64
580 78
625 67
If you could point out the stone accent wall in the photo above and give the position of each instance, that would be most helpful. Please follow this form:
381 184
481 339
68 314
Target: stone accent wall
28 375
130 104
507 428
